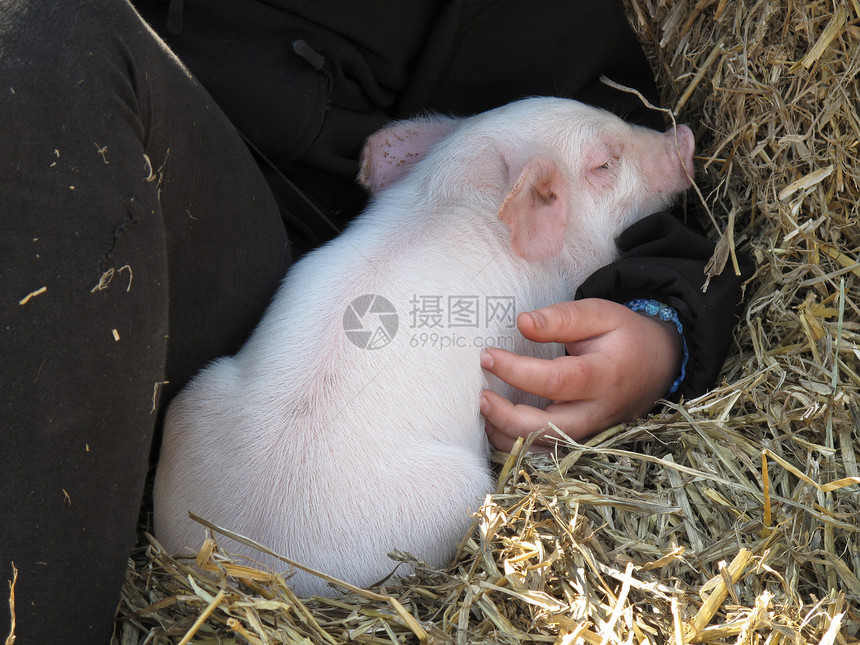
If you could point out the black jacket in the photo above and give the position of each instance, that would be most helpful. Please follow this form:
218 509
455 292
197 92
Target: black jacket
307 81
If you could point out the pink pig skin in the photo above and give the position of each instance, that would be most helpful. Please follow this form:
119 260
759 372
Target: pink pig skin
334 455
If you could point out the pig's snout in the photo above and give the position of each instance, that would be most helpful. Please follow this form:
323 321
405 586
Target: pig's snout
682 140
665 163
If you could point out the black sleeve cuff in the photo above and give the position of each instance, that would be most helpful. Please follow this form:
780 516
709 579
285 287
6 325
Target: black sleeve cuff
663 259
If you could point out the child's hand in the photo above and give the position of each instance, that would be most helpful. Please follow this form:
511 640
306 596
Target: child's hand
620 363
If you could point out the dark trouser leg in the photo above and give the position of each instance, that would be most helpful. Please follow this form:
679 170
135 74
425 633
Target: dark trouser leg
137 241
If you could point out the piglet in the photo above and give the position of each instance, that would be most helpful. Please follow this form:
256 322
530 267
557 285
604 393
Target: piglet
348 424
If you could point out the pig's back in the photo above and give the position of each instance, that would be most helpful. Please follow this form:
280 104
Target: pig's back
337 454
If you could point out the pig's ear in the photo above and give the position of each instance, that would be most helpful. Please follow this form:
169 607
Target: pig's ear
535 210
389 153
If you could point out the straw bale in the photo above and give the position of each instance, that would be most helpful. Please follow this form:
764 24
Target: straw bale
734 517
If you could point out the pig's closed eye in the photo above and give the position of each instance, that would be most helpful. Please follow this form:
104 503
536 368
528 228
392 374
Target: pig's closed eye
609 163
603 174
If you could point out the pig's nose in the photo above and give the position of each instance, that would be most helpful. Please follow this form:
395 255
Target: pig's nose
683 138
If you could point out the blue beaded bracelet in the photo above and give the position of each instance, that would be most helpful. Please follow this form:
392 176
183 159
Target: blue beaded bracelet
666 314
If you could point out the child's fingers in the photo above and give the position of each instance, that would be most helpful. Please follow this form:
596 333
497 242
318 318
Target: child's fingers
501 440
566 378
507 422
514 419
569 322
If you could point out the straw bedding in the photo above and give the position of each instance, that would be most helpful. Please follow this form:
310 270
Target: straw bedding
733 518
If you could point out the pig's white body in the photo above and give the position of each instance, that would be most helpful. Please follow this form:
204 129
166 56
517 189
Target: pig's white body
335 455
